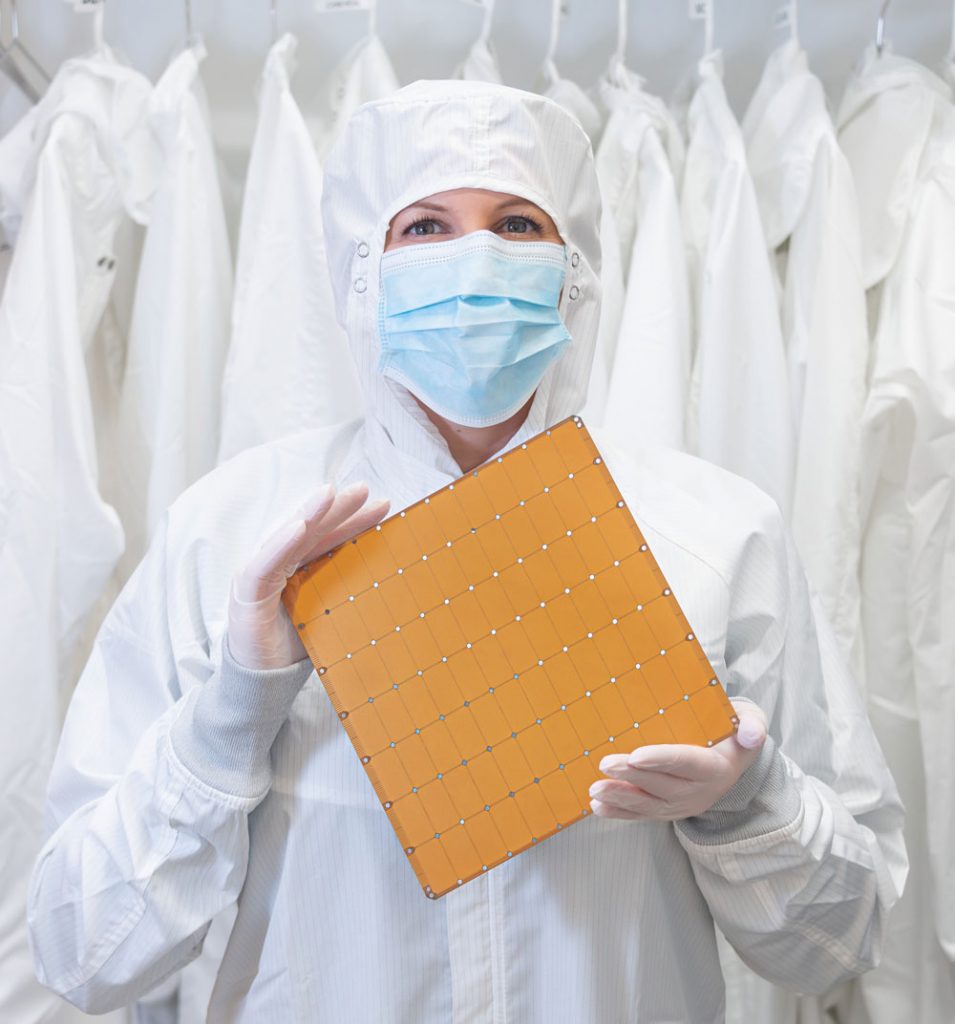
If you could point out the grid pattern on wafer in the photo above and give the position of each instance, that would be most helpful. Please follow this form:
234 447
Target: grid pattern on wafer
487 646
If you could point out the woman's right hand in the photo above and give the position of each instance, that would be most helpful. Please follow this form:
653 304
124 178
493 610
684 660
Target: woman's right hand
260 634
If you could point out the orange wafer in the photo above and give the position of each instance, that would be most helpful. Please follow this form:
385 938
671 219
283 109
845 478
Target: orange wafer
487 646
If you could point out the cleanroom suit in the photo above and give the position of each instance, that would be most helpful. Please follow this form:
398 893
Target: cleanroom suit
184 782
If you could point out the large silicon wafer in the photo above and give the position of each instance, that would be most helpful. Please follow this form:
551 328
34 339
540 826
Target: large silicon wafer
488 645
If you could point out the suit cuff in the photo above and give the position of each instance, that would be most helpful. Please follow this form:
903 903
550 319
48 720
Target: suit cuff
764 800
224 734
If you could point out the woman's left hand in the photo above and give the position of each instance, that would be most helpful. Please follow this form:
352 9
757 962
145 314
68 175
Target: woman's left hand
667 782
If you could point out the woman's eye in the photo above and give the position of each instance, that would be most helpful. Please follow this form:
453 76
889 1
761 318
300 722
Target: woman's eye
518 225
422 227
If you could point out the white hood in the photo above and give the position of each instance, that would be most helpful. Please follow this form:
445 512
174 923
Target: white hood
430 137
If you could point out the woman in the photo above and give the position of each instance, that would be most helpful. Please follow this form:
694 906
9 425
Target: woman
203 763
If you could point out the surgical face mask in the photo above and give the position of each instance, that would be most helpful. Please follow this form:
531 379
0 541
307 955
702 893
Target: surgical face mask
470 326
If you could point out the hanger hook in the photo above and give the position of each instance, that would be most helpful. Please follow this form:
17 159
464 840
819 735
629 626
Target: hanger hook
951 45
787 16
880 28
555 13
486 25
11 8
98 37
704 9
622 20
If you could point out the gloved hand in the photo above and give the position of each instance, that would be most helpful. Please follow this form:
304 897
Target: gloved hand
260 634
670 781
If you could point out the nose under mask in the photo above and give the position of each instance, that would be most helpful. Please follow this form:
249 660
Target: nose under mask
470 326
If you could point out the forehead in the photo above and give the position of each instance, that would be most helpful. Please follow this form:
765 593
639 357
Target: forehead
458 198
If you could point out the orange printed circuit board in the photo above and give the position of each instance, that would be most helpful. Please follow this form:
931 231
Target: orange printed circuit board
488 645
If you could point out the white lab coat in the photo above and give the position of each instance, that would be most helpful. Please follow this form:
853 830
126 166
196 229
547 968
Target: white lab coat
897 127
642 366
739 412
162 820
87 170
288 366
169 409
809 211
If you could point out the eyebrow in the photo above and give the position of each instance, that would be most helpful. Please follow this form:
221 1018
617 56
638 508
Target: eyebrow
426 204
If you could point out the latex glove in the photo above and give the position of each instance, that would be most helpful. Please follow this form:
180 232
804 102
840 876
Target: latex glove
260 634
670 781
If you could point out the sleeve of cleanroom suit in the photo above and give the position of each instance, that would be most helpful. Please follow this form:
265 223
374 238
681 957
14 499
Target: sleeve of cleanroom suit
162 758
802 859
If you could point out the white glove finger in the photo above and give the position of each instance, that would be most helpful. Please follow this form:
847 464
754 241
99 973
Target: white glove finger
658 784
681 760
346 502
602 810
628 798
268 571
270 564
315 510
363 519
316 503
263 576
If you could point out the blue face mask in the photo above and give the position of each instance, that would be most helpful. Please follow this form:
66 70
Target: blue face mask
469 326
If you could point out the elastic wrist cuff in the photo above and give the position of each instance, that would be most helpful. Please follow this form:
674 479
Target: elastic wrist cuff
227 726
763 800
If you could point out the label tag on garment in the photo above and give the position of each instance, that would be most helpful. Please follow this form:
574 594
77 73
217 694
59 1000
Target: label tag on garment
485 647
342 5
699 9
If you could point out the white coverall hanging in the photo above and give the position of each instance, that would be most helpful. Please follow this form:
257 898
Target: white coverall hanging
739 414
645 367
14 105
365 73
562 90
480 64
168 427
607 920
288 366
89 167
897 127
16 147
809 211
